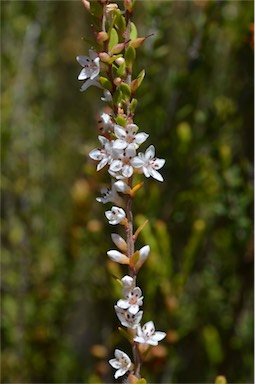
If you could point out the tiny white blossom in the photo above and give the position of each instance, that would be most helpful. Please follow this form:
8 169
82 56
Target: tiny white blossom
90 71
103 155
148 335
133 300
121 362
127 137
128 284
115 215
121 164
107 96
127 319
105 122
90 64
148 163
109 195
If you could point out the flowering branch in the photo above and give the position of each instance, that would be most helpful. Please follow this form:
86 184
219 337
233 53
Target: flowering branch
109 66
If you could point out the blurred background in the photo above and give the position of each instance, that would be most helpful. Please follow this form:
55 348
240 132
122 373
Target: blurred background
196 102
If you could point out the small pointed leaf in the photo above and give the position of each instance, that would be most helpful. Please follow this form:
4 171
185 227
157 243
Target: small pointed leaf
133 31
106 84
114 39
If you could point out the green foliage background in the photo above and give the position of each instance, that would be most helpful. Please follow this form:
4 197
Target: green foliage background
196 102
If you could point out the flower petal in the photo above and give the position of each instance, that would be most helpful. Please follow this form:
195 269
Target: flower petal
83 74
156 175
150 152
141 137
83 60
137 162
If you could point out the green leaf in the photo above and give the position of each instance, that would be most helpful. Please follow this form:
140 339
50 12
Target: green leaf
121 69
126 91
133 105
113 58
121 121
117 97
133 31
140 77
141 381
114 39
130 56
106 84
138 81
120 24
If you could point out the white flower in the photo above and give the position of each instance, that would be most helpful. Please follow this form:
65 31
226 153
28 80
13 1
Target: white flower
128 284
148 335
105 123
127 319
109 195
107 96
90 64
103 155
90 71
127 137
118 257
133 300
115 215
121 362
149 163
121 165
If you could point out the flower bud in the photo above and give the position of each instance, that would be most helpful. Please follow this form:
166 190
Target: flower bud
136 43
86 4
118 48
120 60
118 257
119 242
144 253
102 36
104 56
128 4
122 187
117 81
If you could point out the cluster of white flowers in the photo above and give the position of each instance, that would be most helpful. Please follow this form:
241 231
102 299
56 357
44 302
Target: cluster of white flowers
118 151
129 314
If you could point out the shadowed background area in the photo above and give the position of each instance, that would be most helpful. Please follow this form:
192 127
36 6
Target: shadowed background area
196 102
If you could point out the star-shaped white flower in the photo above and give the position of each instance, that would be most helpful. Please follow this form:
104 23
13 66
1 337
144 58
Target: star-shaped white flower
127 137
115 215
103 155
127 319
90 71
148 163
133 300
148 335
121 165
121 362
